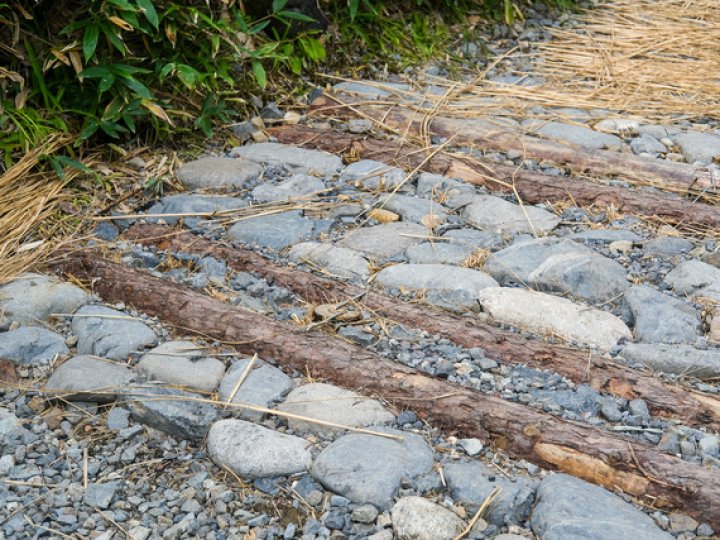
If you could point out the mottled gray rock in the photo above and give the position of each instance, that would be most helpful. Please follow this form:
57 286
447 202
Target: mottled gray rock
667 245
695 278
572 134
373 175
496 214
105 332
178 413
191 205
298 185
182 363
263 386
543 313
252 451
450 191
570 508
560 266
280 154
359 125
32 298
339 261
12 432
99 495
329 403
415 209
415 518
218 172
660 318
434 277
439 253
471 483
647 144
386 240
89 379
276 231
676 359
699 147
368 468
475 238
605 236
371 91
32 345
117 419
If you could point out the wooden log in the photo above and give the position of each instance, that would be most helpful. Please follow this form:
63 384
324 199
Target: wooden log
579 366
468 131
611 460
532 187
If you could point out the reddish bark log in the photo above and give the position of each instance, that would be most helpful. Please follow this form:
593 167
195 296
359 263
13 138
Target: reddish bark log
468 131
608 459
664 400
532 187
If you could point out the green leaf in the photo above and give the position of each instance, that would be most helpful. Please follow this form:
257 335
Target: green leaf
123 4
148 9
57 167
259 73
139 88
70 162
259 27
187 75
88 130
115 39
106 82
278 5
90 40
167 69
94 72
353 5
294 15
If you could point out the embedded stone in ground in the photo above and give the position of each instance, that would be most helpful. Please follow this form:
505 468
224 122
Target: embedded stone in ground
89 379
386 240
567 507
695 278
218 172
32 345
264 385
542 313
182 363
277 154
471 483
339 261
450 191
275 231
12 433
667 246
661 318
179 414
332 404
105 332
496 214
415 209
605 236
190 204
576 135
299 185
699 147
415 518
32 298
676 359
475 238
369 468
439 253
252 451
373 175
434 277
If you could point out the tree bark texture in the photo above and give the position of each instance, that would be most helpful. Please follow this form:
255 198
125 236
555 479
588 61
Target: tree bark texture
608 459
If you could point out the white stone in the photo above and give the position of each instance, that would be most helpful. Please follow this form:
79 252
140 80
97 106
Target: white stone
323 163
182 363
32 298
415 518
438 277
217 172
337 260
496 214
385 240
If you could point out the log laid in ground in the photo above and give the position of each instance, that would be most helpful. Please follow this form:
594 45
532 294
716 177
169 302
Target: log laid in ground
467 131
611 460
532 187
663 400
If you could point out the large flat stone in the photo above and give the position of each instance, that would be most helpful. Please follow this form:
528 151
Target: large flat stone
218 172
264 385
415 518
695 278
105 332
439 253
471 483
386 240
434 277
183 415
32 298
475 238
571 508
275 231
699 147
295 187
661 318
498 215
32 345
290 156
89 379
12 433
450 191
543 313
183 364
368 468
190 205
572 134
373 175
605 236
676 359
252 451
337 260
329 403
415 209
